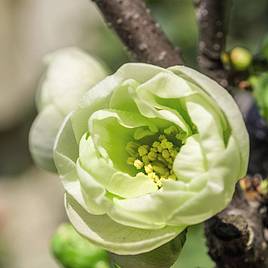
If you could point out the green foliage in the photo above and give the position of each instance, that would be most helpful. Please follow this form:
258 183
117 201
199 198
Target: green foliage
73 251
264 47
260 86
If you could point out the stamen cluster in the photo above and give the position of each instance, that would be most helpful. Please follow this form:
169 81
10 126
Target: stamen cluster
156 158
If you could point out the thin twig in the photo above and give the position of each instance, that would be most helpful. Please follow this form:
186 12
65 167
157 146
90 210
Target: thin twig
139 31
211 15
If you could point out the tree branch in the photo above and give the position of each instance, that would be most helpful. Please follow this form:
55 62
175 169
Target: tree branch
235 236
211 15
139 32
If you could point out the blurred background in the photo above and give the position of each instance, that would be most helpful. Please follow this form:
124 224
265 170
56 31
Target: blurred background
31 200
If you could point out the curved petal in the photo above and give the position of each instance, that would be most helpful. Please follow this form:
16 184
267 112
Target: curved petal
98 97
42 137
190 161
221 179
65 148
126 186
98 167
209 128
150 211
114 237
112 130
227 105
93 192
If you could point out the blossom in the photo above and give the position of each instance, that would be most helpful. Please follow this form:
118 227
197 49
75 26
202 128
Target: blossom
147 152
70 72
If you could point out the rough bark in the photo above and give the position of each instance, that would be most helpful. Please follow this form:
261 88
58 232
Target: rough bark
235 236
211 15
139 31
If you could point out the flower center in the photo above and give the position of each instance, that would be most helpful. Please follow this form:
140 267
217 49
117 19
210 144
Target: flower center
155 158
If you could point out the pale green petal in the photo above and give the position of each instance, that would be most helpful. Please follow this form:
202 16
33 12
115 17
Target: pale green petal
93 100
112 130
191 161
221 179
65 156
140 72
165 85
181 205
118 183
93 192
150 211
42 137
66 149
126 186
227 105
98 167
208 126
114 237
122 99
70 73
98 97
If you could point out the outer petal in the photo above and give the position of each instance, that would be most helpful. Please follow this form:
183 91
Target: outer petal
227 105
69 74
42 136
220 186
114 237
99 96
77 182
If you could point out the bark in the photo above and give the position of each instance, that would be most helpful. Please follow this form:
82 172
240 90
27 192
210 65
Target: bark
212 18
235 236
139 31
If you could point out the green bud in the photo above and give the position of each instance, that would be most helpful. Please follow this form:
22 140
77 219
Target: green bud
74 251
241 58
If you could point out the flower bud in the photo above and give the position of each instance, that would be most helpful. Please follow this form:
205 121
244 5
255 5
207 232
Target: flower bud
74 251
241 58
69 74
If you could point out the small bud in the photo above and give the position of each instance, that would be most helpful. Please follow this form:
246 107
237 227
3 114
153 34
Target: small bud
73 251
241 58
225 58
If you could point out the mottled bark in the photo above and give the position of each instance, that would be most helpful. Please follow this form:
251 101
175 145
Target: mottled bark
235 236
211 15
139 31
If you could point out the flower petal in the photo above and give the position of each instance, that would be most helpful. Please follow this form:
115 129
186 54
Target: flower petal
114 237
42 137
227 105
